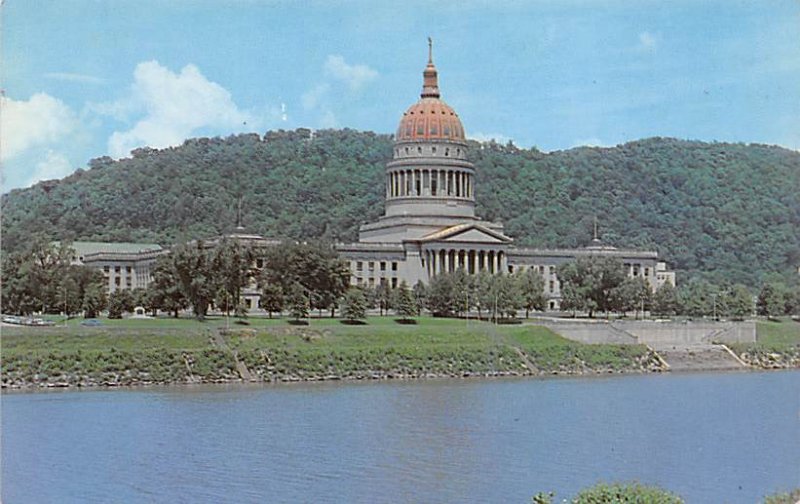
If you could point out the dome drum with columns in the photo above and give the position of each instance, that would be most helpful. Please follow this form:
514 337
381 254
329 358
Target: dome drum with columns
429 226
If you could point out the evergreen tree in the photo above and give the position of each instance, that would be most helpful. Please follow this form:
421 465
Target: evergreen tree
354 305
406 304
298 302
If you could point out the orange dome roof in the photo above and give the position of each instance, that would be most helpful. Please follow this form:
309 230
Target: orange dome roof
430 118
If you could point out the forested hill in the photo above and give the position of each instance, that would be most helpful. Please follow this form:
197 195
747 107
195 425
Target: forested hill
728 211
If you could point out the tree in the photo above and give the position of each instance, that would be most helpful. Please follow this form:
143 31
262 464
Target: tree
739 302
298 302
531 286
441 295
354 305
420 295
507 295
383 293
698 298
633 294
193 267
94 299
770 301
118 302
232 263
165 289
665 301
406 304
589 283
316 267
272 298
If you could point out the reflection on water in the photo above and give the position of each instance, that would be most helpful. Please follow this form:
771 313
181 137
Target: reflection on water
709 437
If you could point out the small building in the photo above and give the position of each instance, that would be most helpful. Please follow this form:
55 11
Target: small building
124 265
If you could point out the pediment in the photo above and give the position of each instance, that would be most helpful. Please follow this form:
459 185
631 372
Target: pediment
474 233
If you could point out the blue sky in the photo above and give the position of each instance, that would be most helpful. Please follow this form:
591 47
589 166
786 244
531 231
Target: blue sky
87 78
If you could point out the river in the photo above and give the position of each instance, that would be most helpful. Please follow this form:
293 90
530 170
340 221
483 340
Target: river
711 438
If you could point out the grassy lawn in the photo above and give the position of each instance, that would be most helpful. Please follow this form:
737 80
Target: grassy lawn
783 333
170 350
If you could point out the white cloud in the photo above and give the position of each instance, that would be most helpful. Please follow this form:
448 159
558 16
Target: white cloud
73 77
314 96
355 76
175 106
54 165
647 42
39 121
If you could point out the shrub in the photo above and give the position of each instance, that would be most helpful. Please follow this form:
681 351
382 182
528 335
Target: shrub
625 493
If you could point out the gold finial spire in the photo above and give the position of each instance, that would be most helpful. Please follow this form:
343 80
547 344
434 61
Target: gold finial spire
430 82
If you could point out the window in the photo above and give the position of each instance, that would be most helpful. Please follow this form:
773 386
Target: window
371 266
552 285
647 272
371 282
116 269
383 266
552 305
128 269
359 266
117 281
541 270
394 283
394 266
552 269
106 269
510 269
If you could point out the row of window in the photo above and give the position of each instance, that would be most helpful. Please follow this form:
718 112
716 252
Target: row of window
371 265
118 269
433 150
370 282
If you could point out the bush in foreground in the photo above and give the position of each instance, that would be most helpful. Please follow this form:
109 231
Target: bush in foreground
616 493
784 498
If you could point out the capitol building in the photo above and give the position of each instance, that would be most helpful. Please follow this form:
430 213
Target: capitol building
430 226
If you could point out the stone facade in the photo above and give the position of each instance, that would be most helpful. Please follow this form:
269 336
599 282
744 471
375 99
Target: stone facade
429 226
124 265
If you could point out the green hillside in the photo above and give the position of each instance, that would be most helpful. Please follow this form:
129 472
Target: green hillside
727 211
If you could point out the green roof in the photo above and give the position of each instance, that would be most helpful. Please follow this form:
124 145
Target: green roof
84 248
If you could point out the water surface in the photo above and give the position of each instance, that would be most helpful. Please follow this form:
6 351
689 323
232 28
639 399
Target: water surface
709 437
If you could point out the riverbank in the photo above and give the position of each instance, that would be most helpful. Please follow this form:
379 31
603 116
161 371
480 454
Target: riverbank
166 351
